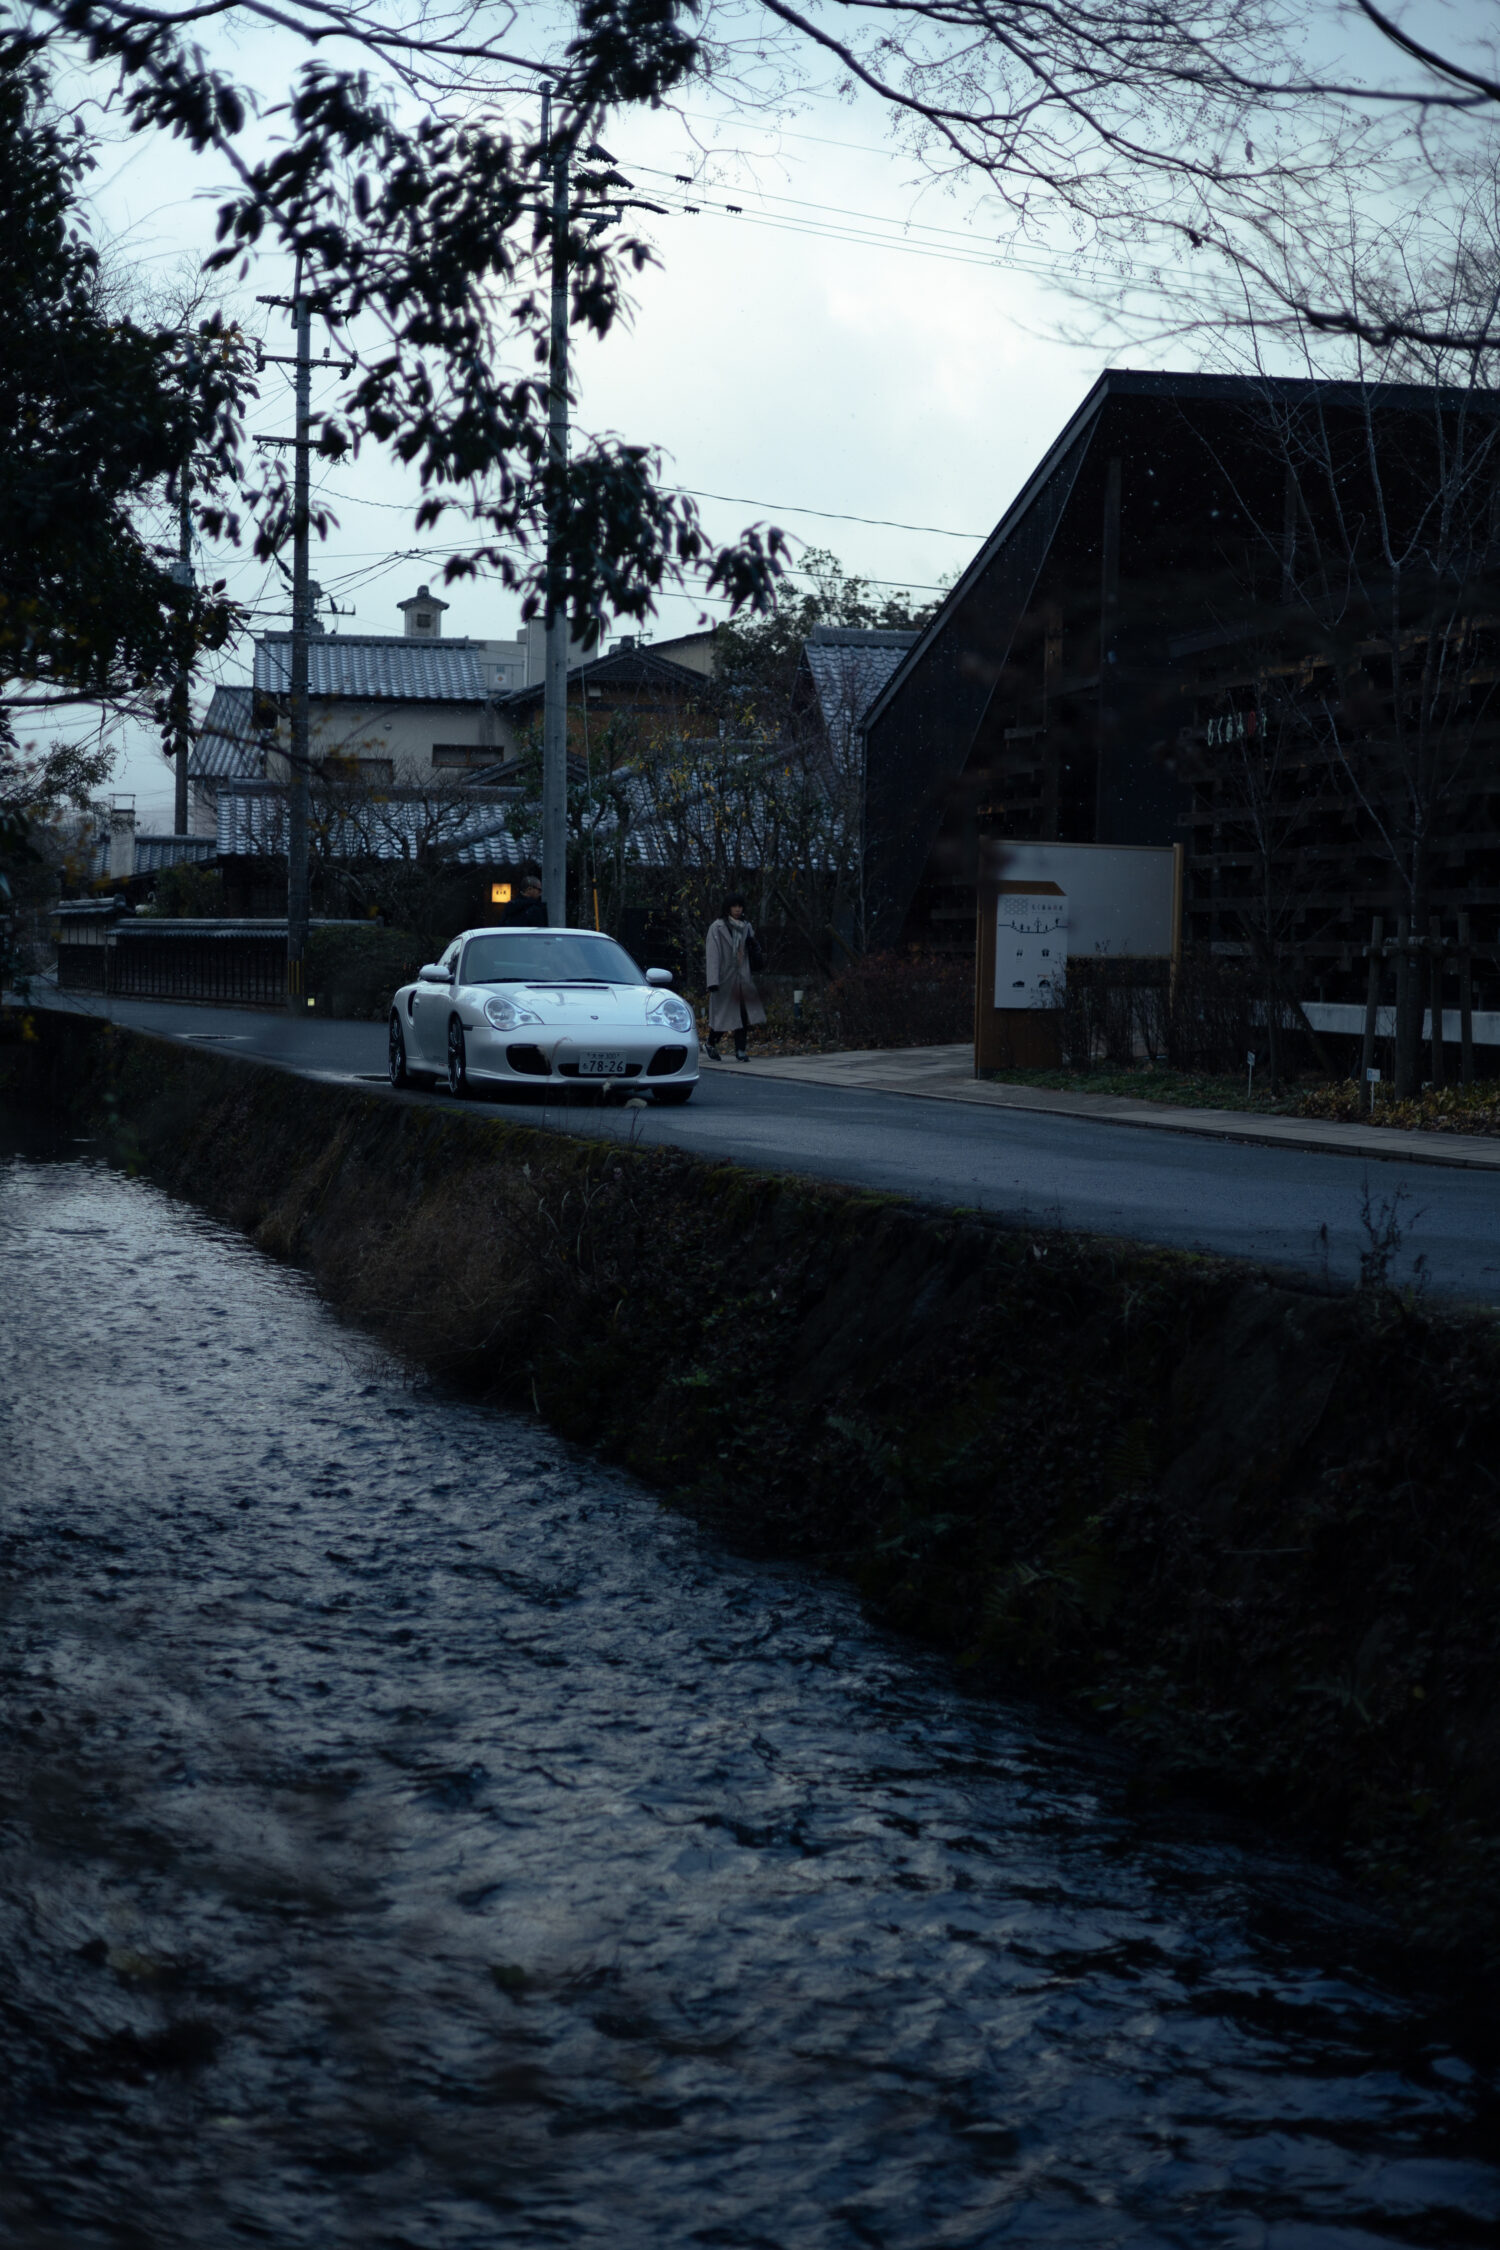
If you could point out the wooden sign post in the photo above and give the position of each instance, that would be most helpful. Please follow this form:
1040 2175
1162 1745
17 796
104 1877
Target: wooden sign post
1041 905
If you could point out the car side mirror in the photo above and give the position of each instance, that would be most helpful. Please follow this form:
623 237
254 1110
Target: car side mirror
658 976
432 974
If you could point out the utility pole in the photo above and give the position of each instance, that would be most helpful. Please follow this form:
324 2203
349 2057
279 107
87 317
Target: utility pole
555 677
299 776
301 748
182 572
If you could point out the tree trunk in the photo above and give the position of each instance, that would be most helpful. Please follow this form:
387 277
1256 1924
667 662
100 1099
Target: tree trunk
1409 1003
1411 985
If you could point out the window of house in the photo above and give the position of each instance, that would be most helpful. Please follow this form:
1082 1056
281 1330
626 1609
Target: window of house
424 620
375 771
462 756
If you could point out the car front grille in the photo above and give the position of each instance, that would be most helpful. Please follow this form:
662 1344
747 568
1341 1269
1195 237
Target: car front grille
665 1061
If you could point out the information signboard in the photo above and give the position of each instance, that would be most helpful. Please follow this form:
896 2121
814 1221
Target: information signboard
1121 898
1042 905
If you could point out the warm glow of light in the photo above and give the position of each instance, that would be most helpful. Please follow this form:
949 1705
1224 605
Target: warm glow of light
499 894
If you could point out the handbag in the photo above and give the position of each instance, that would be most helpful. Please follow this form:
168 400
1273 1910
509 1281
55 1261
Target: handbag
755 955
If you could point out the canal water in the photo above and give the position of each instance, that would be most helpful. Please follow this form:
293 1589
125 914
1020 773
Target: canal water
414 1835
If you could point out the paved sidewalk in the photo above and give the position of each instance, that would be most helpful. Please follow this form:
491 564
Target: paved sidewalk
946 1074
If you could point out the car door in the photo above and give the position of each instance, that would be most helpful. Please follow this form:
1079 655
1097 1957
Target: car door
429 1017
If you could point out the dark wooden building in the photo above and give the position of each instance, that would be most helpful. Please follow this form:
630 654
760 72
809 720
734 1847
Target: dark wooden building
1221 612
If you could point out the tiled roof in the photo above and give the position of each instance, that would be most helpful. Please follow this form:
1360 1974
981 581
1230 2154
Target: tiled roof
153 853
848 670
374 670
400 824
227 748
621 668
702 824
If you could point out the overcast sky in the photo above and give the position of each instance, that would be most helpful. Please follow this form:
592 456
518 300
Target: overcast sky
851 343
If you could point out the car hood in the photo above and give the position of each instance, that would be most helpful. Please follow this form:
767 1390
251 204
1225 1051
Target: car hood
576 1007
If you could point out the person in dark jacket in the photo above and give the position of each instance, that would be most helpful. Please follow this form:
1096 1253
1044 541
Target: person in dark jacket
530 910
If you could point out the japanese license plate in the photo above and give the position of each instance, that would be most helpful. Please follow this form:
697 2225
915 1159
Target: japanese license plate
600 1065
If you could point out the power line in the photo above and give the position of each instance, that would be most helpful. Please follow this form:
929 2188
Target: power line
731 499
778 225
964 235
832 515
1008 260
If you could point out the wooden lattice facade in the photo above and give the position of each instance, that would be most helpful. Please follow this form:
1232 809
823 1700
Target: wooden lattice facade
1184 631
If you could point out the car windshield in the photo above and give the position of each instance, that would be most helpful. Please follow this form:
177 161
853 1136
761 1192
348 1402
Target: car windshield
548 957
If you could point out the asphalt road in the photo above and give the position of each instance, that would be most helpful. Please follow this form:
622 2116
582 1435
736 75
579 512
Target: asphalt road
1282 1207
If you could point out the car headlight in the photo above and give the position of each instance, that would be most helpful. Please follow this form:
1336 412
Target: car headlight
671 1012
508 1015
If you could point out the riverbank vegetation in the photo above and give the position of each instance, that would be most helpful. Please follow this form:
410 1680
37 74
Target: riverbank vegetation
1251 1527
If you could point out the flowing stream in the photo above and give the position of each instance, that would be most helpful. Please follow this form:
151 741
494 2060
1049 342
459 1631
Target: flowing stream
415 1835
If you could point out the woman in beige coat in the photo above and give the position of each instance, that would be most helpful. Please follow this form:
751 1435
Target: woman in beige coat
733 1002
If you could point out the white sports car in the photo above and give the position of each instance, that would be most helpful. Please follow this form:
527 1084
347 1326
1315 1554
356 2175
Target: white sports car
522 1007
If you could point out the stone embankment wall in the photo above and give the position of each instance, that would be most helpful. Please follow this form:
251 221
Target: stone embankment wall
1253 1529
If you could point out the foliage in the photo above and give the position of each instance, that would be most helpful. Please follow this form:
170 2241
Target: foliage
1198 1016
1436 1109
353 972
772 802
95 411
188 892
426 240
902 1000
35 783
1160 125
1159 1082
758 657
1146 123
665 811
601 805
878 1000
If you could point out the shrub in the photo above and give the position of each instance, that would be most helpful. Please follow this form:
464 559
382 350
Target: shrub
1437 1109
353 972
189 892
901 1000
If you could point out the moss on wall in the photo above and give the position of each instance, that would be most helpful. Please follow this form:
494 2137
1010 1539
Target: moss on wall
1252 1528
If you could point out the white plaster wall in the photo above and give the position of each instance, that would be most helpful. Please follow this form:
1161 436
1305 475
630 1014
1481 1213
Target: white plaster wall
403 732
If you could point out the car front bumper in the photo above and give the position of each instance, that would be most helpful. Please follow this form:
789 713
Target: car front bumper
651 1058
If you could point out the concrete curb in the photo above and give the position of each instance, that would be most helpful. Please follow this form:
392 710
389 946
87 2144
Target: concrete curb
940 1075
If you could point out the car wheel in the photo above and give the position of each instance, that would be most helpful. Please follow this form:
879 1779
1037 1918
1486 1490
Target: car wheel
458 1060
396 1053
674 1096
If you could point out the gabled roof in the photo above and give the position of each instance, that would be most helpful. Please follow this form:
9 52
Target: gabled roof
1127 382
227 748
374 668
1014 515
849 667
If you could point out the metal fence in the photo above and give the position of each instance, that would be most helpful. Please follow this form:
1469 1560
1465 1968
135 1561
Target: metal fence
236 963
244 967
